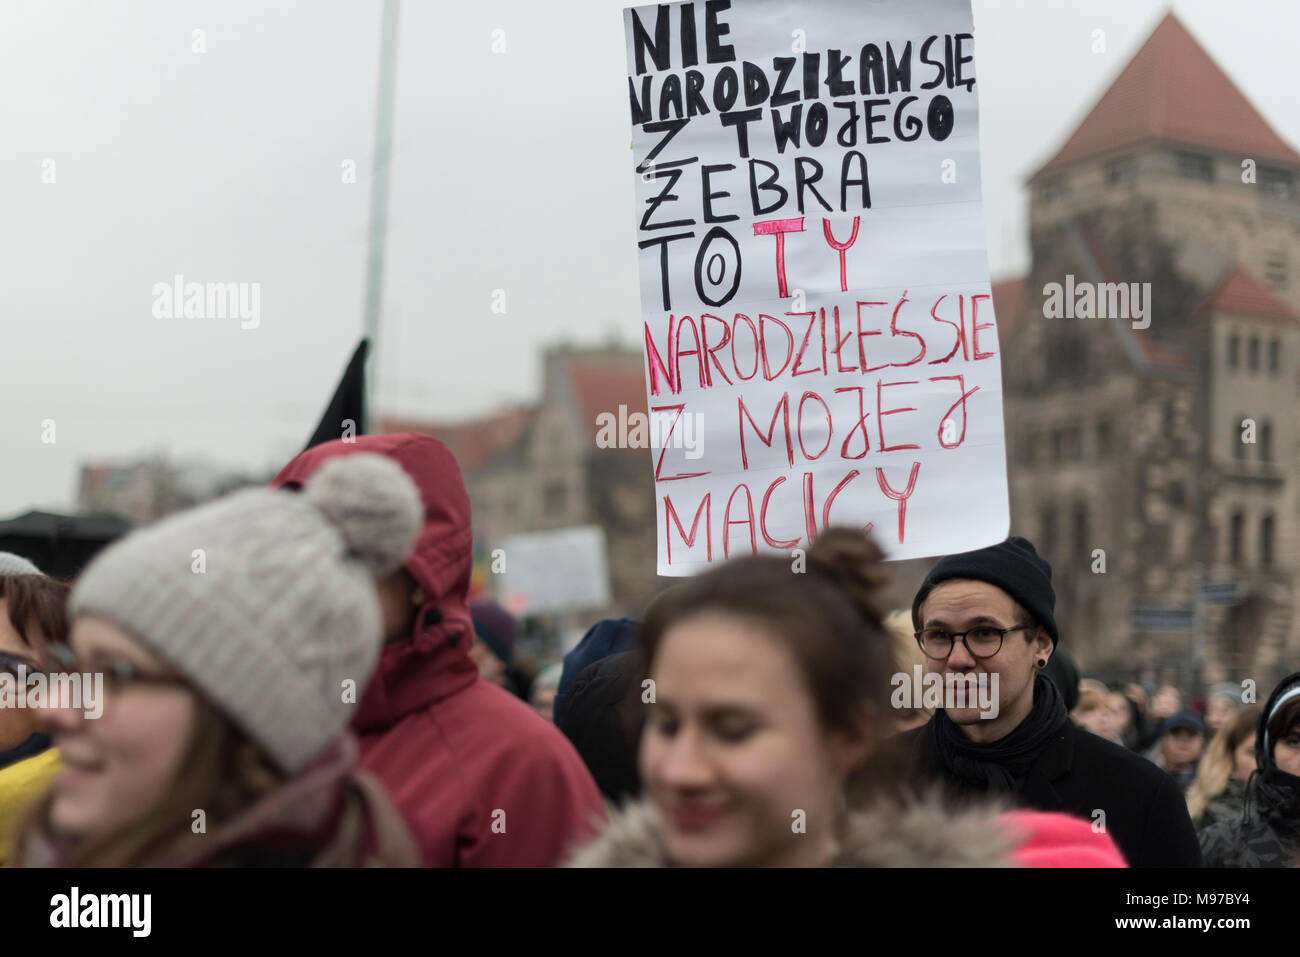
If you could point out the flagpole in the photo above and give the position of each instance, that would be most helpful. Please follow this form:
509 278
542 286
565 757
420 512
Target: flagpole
379 198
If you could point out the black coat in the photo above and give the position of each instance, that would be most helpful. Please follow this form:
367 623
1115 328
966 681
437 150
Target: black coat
1079 773
600 716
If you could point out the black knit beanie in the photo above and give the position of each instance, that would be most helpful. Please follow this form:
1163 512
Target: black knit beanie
1013 566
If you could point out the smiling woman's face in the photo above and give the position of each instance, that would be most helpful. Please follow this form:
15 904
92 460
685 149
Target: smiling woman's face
733 754
118 767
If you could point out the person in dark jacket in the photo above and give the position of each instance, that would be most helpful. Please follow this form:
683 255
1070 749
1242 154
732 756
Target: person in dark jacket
602 717
987 617
1268 834
481 779
609 636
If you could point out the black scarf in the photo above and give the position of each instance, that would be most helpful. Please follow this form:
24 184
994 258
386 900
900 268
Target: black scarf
997 767
33 745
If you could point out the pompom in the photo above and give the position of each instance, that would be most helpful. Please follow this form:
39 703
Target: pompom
853 561
374 505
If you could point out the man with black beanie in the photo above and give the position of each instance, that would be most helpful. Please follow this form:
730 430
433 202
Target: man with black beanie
987 618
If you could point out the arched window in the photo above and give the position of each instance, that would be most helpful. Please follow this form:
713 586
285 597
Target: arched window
1266 541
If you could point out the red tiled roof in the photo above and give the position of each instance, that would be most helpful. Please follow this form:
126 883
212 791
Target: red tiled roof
1242 294
474 442
1172 91
602 388
1008 301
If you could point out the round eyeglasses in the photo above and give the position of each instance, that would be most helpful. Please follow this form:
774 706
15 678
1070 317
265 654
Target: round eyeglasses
982 642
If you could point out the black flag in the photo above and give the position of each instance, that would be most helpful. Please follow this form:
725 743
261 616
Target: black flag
347 410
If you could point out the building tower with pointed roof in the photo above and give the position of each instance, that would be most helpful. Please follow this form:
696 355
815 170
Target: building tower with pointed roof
1153 456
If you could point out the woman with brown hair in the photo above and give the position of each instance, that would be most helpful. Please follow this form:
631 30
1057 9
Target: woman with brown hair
219 655
768 703
33 614
1219 790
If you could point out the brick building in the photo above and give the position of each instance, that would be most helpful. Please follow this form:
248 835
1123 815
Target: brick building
538 467
1170 448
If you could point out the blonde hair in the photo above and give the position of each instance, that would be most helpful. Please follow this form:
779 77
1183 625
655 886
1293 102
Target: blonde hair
1090 700
1216 767
906 654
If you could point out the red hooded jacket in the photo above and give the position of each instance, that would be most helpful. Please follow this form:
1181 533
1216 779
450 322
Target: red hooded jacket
481 779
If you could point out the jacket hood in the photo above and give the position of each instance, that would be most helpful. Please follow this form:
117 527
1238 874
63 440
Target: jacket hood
434 663
924 832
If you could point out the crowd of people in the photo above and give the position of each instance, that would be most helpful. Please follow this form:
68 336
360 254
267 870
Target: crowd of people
296 676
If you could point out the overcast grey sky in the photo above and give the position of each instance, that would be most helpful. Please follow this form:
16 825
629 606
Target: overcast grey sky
226 166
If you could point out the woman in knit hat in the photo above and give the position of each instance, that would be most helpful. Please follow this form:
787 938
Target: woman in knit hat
1267 833
232 642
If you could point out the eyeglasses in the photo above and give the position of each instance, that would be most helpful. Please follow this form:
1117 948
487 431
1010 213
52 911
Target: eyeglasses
982 642
119 674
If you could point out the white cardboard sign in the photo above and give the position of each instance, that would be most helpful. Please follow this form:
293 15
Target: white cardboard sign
814 279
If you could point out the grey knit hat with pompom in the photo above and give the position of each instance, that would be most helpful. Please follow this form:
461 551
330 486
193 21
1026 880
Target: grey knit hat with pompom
265 600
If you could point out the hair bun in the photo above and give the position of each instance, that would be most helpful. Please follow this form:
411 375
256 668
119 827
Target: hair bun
373 504
852 560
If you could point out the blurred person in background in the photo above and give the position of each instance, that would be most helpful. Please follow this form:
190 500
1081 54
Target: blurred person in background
1224 700
1093 685
480 778
543 694
1219 791
1164 704
602 715
1093 714
1268 832
907 656
609 636
1178 749
226 689
764 743
494 649
1120 717
33 616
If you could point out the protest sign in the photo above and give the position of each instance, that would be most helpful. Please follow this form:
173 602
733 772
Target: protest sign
560 570
814 279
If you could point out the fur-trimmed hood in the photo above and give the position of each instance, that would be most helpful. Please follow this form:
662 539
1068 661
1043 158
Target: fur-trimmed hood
920 832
